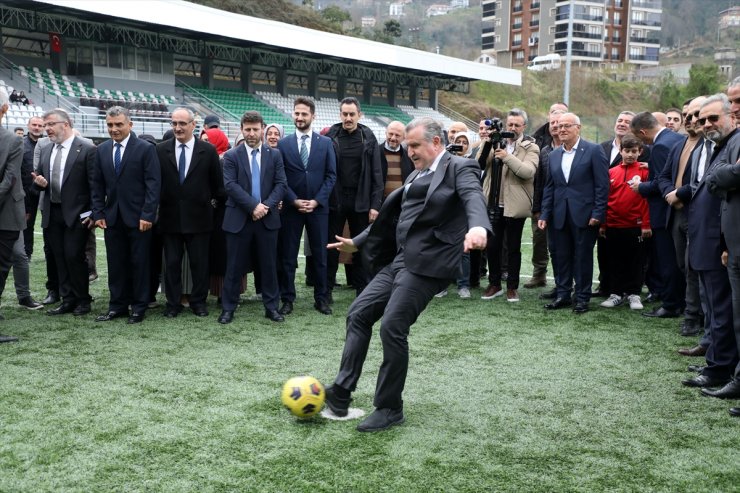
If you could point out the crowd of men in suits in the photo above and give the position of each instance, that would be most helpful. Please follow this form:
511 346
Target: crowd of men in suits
671 209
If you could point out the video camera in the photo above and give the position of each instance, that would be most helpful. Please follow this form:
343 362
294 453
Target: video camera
496 133
454 148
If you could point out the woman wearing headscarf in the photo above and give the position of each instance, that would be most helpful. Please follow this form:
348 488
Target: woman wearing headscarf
273 133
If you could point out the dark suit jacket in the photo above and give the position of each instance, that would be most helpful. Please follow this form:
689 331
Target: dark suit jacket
723 180
186 208
705 247
584 195
315 182
77 182
133 195
650 189
12 206
667 177
407 166
434 244
238 183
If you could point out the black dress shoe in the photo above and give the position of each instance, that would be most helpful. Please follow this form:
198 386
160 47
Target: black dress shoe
226 317
62 309
30 303
322 307
661 312
135 318
735 411
106 317
51 298
199 310
690 328
81 309
7 338
696 368
729 391
693 351
274 315
287 308
580 307
559 303
382 419
171 312
549 295
338 405
652 298
705 381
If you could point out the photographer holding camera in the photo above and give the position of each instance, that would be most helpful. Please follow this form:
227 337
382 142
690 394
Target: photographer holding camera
510 163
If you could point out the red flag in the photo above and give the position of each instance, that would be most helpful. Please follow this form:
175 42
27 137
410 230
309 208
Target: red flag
56 42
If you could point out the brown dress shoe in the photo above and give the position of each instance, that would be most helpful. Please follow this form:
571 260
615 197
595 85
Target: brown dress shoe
694 351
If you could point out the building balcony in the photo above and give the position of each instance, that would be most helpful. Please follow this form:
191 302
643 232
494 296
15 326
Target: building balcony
488 30
596 55
534 23
535 5
644 22
580 17
517 8
644 58
516 42
578 34
646 40
516 26
647 4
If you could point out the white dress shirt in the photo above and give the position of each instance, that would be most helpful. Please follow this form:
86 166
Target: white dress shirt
123 143
567 161
66 146
259 156
298 135
189 145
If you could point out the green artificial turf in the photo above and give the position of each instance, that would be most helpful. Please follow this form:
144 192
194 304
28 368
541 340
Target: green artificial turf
500 397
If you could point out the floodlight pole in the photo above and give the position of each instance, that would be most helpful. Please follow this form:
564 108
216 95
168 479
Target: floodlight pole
568 54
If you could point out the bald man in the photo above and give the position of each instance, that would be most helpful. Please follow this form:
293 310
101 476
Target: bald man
455 128
394 160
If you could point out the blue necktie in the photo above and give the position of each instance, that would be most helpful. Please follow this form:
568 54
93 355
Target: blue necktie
181 164
255 177
304 151
117 159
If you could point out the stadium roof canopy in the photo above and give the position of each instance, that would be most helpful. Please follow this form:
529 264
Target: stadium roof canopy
180 18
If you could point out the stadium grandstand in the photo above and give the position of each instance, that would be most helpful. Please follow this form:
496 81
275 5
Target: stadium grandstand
87 56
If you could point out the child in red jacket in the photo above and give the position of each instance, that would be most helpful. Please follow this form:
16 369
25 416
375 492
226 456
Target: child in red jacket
627 224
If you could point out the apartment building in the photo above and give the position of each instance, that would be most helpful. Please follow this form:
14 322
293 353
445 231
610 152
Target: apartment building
606 33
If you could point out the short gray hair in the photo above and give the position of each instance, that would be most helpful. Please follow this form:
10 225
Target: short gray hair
722 98
118 111
734 82
191 115
518 112
59 113
432 128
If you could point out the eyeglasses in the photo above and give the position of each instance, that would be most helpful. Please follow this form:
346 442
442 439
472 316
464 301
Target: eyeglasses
689 116
51 124
566 126
711 118
181 124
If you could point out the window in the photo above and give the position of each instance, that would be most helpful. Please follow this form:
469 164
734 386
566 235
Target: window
517 40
